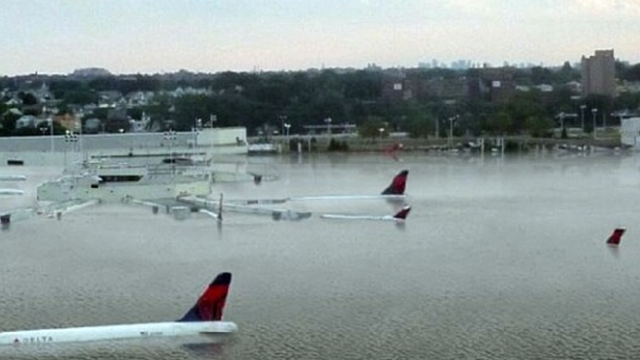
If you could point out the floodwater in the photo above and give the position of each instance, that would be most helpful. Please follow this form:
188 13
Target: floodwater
499 259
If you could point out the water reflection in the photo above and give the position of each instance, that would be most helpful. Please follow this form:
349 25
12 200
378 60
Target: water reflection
615 250
492 263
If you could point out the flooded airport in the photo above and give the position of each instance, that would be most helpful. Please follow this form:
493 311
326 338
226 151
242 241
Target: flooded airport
500 258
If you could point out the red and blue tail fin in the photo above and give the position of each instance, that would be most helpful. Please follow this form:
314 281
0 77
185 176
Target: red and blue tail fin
211 303
402 214
398 184
616 236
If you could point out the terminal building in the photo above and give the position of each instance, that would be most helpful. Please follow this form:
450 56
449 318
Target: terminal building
62 150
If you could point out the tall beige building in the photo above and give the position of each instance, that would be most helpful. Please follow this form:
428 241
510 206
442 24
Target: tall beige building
598 74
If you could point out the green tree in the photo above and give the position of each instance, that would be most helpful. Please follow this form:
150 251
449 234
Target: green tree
566 74
27 98
632 73
628 101
523 105
420 122
9 123
540 75
500 123
539 126
370 129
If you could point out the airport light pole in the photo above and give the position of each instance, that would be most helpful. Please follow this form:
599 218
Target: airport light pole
213 119
594 111
79 127
451 120
283 118
69 137
328 121
170 136
287 126
196 132
561 121
50 121
582 107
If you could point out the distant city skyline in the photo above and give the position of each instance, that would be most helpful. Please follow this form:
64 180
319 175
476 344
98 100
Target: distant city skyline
162 36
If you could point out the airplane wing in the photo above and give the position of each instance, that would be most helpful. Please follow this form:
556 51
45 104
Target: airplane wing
179 209
53 210
10 191
275 213
60 208
398 216
9 216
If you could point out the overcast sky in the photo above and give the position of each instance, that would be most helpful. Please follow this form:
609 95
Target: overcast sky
155 36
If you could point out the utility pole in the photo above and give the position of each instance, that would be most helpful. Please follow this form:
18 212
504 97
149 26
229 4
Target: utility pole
594 111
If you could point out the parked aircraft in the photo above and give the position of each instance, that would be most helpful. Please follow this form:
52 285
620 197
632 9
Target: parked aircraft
203 319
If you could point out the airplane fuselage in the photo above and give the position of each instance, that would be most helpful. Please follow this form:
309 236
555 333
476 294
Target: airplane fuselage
117 332
360 217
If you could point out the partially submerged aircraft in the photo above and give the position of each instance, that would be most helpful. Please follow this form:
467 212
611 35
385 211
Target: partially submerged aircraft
399 216
204 318
178 202
394 191
616 236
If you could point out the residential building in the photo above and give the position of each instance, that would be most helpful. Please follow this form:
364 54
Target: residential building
598 74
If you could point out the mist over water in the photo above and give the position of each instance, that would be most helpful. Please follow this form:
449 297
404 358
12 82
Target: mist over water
499 259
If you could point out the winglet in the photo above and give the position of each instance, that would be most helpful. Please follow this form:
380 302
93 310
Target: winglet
616 236
211 303
402 214
398 184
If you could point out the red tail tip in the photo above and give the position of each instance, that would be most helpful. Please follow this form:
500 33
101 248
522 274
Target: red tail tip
402 214
616 236
211 303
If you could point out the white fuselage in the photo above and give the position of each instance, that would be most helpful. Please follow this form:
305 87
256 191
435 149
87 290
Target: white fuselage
361 217
320 197
117 332
11 191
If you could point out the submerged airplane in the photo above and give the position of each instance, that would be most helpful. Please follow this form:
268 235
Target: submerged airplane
185 203
12 191
616 236
394 191
399 216
204 318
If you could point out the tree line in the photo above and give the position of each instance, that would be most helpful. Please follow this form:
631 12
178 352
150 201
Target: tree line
361 97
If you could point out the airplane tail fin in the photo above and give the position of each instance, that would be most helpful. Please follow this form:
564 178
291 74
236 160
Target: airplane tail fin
398 184
402 214
616 236
211 303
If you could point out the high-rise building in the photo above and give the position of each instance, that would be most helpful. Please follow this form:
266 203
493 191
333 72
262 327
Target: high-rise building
598 73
